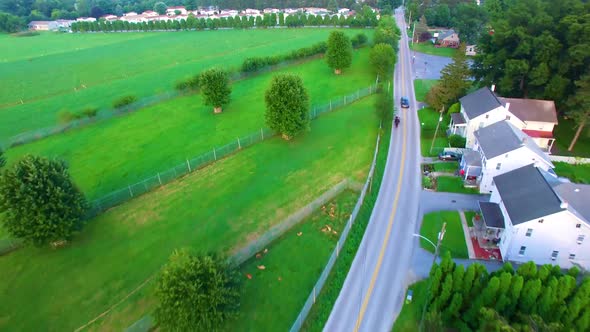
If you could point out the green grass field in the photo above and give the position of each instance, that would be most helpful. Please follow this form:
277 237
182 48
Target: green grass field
428 48
469 217
564 133
113 154
428 120
577 173
409 318
270 304
45 74
422 87
448 166
453 184
231 203
454 240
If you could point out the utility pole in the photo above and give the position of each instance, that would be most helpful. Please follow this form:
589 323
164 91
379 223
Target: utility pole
436 130
441 235
413 30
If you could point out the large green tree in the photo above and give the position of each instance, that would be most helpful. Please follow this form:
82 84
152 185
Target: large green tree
339 52
287 105
10 23
160 8
214 84
39 201
454 82
196 293
382 59
538 49
579 105
2 158
470 21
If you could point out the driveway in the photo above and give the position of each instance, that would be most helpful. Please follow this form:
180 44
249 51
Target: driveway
428 66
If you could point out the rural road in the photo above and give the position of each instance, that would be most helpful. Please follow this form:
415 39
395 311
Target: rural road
374 289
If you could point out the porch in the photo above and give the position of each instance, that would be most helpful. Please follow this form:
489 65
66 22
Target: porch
470 168
458 125
488 228
544 139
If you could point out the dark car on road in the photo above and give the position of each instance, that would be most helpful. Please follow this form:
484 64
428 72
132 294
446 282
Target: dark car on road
405 102
448 156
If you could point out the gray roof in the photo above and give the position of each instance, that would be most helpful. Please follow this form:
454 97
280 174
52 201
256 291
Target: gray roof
502 137
472 158
458 118
480 102
532 109
445 33
526 194
577 197
492 215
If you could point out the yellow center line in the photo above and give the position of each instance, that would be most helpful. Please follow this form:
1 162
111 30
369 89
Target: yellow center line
393 211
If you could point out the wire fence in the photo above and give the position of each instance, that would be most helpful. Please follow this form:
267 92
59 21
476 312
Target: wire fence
328 268
189 165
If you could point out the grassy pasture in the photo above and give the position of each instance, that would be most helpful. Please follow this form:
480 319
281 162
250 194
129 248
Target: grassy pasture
54 72
219 208
112 154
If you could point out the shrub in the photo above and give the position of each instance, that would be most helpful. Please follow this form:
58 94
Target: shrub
427 182
457 141
455 108
188 84
124 101
359 40
66 117
89 112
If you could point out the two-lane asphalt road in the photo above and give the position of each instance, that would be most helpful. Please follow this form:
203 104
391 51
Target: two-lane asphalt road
374 289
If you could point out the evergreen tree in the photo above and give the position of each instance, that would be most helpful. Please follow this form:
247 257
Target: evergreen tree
530 293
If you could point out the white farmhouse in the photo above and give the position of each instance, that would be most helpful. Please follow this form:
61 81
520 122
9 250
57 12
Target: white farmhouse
171 11
534 218
501 147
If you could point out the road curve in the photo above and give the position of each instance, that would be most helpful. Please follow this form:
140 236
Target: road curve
374 289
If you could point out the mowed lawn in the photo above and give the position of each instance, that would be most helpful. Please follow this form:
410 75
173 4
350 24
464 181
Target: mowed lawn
273 298
428 48
411 313
219 208
428 121
46 74
579 173
454 239
115 153
422 87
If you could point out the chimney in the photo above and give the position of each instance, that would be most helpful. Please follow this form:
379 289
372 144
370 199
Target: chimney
563 205
507 106
493 87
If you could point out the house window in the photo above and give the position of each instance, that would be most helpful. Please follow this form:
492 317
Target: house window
507 117
541 221
572 256
498 166
554 255
529 232
487 116
506 155
522 250
578 225
580 239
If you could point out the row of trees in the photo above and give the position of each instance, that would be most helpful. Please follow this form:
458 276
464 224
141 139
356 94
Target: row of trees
528 299
192 23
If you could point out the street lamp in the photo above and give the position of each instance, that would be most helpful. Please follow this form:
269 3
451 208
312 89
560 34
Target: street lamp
441 235
440 118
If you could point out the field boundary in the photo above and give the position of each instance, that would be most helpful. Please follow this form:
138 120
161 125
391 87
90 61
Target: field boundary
332 260
190 165
569 160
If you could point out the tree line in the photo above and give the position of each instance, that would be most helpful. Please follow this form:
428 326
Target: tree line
367 19
525 299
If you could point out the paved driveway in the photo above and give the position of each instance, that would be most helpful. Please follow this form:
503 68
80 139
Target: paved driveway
428 66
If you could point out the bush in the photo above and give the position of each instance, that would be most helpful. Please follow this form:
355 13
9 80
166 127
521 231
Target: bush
189 84
89 112
359 40
427 182
124 101
254 64
66 117
455 108
457 141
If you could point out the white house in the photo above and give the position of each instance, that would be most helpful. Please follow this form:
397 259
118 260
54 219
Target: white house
470 50
43 25
134 19
85 19
479 109
171 11
150 13
130 14
533 220
502 148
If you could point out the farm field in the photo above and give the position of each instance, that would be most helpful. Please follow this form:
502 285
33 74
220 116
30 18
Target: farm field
74 71
231 202
115 153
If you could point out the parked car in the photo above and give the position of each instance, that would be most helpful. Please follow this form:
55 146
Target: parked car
405 102
449 156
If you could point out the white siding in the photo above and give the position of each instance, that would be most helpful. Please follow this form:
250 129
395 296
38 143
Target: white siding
558 232
541 126
484 120
508 162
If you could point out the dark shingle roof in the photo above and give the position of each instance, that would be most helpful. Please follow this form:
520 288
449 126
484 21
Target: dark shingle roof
502 137
492 215
532 109
446 33
458 118
480 102
577 197
526 195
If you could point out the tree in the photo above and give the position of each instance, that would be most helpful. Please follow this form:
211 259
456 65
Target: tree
10 23
387 32
579 104
469 20
160 8
196 293
454 81
332 6
214 84
339 52
420 29
384 104
287 105
433 322
39 201
382 59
